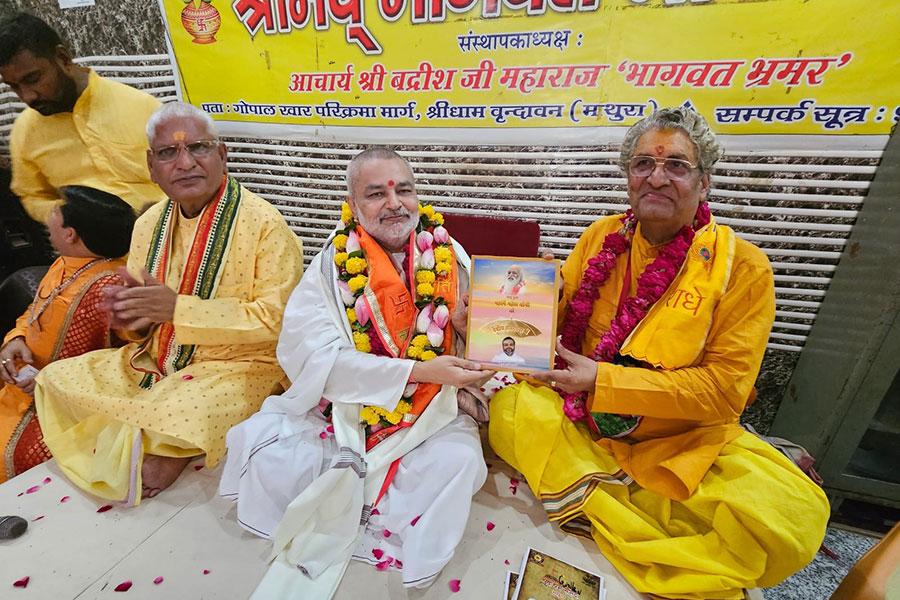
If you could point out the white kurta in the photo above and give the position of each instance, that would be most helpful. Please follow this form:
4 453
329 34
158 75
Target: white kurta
311 490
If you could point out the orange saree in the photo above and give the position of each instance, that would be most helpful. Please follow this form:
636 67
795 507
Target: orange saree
64 320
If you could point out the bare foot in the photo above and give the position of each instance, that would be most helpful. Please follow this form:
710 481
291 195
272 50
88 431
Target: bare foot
159 472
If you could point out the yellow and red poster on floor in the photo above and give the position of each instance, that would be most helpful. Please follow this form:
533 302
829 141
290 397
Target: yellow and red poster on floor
447 67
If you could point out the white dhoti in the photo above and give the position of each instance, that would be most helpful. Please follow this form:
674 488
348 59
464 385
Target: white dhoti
310 486
420 519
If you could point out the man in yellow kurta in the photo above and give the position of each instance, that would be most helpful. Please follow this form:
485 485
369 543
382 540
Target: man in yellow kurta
210 272
79 128
91 231
635 440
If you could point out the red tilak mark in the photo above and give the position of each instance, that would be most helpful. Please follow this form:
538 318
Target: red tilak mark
390 183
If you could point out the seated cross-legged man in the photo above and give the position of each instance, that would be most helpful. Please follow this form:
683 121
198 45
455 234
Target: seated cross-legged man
368 453
209 273
91 231
634 441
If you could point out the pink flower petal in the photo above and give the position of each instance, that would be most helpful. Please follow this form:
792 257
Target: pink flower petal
32 489
19 494
414 521
374 512
158 580
490 526
399 564
47 480
64 499
330 429
38 518
454 585
104 508
386 533
123 587
206 571
383 565
187 377
22 583
378 553
506 562
322 435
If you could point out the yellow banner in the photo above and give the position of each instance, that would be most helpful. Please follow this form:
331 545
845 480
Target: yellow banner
763 67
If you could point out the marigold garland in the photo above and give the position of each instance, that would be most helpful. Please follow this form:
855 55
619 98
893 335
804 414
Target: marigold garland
651 285
434 263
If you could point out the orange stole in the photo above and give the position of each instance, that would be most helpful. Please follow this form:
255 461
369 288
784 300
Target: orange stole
394 314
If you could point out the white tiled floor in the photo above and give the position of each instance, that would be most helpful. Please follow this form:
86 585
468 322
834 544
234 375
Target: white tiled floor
75 552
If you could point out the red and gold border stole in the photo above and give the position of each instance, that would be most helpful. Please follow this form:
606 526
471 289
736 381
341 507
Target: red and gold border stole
202 270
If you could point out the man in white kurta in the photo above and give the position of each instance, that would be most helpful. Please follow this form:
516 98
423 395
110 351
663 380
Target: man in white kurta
311 485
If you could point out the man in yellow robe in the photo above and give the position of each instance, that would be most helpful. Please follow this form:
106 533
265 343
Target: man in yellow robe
91 232
210 272
78 129
635 440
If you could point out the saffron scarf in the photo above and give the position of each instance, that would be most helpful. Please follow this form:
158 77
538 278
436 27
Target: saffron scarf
202 270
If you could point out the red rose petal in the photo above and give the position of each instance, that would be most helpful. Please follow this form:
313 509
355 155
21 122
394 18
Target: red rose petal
322 435
47 480
506 562
22 582
378 553
38 518
383 565
454 585
123 587
32 489
187 377
374 512
19 494
330 429
158 580
399 564
104 508
490 526
386 533
198 467
414 521
206 571
65 499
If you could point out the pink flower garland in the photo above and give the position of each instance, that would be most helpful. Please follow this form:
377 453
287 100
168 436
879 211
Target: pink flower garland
651 285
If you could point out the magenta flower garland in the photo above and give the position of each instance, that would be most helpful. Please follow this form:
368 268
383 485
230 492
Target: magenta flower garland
651 285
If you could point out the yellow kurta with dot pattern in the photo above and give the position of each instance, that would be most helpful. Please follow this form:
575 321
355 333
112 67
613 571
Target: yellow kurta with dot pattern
96 419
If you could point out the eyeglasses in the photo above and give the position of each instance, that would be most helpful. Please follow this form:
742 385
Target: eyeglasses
674 168
198 149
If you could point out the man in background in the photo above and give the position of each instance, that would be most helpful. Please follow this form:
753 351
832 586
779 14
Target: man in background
78 129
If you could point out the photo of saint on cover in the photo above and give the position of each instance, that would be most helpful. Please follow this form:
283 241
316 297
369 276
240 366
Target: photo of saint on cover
512 313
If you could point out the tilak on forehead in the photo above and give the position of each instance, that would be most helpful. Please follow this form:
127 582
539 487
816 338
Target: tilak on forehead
179 136
390 183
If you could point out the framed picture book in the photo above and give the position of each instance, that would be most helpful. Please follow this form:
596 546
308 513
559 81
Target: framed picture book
543 577
512 313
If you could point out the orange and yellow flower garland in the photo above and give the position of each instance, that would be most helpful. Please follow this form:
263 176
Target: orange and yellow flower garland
433 263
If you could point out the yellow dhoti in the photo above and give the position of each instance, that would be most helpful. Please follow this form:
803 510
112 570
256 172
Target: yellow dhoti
754 519
99 423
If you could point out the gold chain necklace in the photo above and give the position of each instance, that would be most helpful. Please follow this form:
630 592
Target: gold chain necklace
35 312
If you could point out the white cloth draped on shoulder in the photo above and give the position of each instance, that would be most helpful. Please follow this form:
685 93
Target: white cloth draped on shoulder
311 491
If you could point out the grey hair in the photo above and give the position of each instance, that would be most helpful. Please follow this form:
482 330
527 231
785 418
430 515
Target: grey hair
689 121
373 153
178 110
